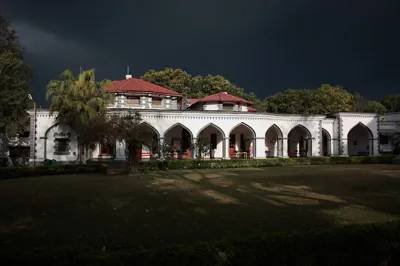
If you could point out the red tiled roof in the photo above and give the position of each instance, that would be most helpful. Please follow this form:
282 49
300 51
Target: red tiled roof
223 97
251 109
138 86
192 101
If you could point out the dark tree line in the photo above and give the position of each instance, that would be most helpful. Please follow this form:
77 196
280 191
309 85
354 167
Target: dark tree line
322 100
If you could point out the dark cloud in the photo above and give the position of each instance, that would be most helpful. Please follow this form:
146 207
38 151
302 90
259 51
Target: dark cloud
263 46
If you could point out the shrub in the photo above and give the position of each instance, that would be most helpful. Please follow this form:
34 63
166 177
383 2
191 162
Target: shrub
18 172
253 163
145 166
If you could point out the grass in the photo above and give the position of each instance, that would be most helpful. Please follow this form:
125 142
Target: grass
182 207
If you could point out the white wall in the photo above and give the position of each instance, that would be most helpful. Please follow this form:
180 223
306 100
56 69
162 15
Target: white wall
47 146
196 121
359 141
210 106
347 121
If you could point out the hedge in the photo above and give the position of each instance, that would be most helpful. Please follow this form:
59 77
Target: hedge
253 163
17 172
353 245
101 167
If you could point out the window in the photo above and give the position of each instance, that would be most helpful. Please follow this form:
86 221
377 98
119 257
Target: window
227 107
61 147
383 139
156 102
133 101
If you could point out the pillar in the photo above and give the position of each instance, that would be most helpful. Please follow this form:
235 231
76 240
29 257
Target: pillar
284 146
315 147
119 150
259 149
226 148
161 148
194 148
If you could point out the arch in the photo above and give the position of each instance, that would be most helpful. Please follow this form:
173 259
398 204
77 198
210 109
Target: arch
178 125
151 127
242 140
273 142
360 124
246 126
58 124
180 138
299 143
301 127
360 140
61 147
211 125
214 141
326 143
324 131
277 130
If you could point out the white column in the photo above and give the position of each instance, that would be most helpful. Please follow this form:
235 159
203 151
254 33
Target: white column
161 148
194 148
315 147
374 150
226 149
259 149
284 142
343 147
120 150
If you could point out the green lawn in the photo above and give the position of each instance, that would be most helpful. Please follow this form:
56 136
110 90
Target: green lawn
188 206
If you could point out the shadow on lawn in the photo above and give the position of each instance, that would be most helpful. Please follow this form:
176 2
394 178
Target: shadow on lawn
179 207
245 202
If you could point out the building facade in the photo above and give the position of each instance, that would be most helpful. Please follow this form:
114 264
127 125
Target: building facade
232 127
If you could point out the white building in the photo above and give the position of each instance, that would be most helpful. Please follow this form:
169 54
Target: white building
230 124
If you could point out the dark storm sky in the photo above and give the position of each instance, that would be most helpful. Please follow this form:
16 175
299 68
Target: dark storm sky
264 46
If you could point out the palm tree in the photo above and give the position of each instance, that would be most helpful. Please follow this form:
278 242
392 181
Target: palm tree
79 101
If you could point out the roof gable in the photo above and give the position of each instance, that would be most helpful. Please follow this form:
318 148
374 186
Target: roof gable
138 86
224 97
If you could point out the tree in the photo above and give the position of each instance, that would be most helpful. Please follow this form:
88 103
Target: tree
174 79
129 129
332 99
80 102
198 86
365 106
291 101
323 100
14 83
392 102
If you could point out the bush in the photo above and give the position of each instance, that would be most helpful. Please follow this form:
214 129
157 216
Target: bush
17 172
252 163
145 166
353 245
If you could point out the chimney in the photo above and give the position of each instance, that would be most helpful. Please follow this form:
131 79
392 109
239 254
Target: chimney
128 76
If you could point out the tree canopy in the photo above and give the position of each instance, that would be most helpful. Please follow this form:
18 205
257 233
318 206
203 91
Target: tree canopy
392 102
323 100
14 82
197 86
